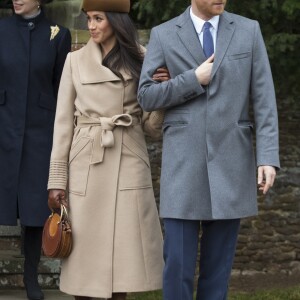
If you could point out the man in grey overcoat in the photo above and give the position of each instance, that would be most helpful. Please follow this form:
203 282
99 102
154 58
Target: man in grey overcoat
218 66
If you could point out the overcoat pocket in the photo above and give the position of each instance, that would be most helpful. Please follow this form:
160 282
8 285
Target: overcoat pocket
132 145
79 166
135 165
239 56
176 118
245 124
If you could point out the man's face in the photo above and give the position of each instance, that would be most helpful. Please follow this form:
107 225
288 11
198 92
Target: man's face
206 9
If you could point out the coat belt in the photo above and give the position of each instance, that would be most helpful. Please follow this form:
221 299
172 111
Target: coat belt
103 134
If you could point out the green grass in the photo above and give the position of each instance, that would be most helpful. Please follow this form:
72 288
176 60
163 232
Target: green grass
282 294
145 296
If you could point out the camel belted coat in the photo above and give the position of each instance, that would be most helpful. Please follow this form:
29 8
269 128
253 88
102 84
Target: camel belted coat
100 156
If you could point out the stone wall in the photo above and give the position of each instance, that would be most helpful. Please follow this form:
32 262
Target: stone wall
270 243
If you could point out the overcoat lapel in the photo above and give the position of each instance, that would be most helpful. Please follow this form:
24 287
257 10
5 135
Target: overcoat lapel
91 69
90 65
225 33
189 36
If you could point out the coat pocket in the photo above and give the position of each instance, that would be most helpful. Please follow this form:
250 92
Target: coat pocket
79 166
136 148
245 124
135 170
2 97
239 56
176 118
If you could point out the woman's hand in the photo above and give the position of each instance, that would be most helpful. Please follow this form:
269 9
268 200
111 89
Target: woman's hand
56 198
161 74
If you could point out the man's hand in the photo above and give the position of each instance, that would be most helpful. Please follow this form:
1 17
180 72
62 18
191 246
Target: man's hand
266 177
161 74
203 72
56 198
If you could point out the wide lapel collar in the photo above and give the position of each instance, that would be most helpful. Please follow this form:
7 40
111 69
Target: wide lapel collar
90 65
225 32
189 37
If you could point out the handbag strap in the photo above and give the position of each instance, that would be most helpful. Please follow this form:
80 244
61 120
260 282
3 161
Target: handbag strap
64 213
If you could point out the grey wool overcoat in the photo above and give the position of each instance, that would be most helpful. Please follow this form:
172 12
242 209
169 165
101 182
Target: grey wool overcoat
208 163
100 156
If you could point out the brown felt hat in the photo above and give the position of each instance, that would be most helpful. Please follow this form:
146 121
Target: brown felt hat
122 6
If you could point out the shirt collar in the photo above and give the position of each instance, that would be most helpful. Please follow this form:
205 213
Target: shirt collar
198 22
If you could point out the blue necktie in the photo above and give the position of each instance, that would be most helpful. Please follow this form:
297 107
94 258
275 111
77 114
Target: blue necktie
208 44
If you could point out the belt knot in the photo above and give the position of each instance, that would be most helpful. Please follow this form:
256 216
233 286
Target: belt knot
103 135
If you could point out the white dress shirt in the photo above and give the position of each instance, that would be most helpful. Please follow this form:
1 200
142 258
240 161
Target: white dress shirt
198 24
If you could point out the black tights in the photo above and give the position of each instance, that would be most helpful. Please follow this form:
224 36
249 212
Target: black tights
118 296
32 244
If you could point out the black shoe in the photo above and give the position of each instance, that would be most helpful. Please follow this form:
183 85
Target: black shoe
33 290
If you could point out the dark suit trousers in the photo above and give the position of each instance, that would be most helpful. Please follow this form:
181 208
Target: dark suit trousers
217 250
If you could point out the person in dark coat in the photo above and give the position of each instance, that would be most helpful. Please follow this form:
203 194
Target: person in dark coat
32 56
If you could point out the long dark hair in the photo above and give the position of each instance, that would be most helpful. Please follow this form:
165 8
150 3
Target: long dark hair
126 54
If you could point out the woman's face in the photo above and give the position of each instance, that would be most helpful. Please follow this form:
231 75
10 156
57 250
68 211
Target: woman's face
26 7
101 30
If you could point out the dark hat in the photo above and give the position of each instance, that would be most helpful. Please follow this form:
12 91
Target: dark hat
122 6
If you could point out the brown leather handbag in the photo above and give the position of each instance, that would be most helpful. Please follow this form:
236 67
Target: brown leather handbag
57 235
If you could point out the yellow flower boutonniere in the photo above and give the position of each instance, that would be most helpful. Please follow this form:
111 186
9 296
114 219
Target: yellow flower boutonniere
54 31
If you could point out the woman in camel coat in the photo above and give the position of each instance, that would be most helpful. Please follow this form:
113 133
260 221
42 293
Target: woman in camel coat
100 158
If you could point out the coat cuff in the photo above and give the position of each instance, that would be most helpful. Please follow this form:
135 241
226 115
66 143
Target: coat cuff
58 175
157 117
153 125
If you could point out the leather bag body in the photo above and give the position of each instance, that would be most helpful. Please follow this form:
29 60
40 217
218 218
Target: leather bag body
57 235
